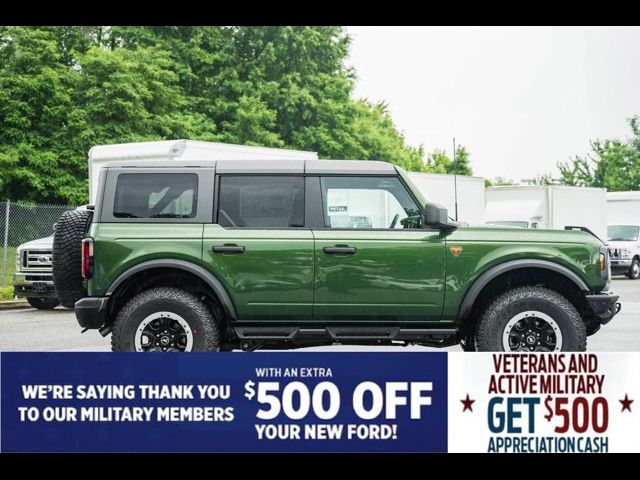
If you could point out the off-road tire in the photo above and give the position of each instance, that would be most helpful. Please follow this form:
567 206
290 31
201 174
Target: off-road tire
194 311
43 303
71 228
507 305
634 270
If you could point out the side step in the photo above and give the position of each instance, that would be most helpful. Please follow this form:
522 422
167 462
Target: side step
343 334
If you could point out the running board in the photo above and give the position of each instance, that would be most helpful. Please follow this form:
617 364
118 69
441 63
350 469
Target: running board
341 334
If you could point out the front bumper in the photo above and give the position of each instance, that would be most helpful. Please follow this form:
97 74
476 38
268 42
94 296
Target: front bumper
620 266
24 286
605 305
91 312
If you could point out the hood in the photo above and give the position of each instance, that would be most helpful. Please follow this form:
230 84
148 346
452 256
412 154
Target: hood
488 233
46 242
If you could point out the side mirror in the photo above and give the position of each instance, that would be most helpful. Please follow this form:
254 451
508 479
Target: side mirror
436 216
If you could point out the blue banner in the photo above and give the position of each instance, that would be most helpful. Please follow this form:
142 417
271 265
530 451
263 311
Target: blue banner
224 402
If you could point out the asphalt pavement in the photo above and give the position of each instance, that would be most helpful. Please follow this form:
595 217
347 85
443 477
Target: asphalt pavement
57 330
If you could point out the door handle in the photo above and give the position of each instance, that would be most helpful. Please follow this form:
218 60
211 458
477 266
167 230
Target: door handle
228 249
343 250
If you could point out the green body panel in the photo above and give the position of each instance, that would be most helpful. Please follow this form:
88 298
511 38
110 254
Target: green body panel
404 276
120 246
272 279
395 275
484 248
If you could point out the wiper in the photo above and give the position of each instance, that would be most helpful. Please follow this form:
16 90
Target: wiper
124 215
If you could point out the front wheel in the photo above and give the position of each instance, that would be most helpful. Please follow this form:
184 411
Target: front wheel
43 303
165 320
531 319
634 271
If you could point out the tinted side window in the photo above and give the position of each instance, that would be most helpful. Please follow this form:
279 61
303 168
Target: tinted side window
362 202
263 201
156 195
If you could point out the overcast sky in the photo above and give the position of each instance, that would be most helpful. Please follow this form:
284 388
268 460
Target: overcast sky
519 98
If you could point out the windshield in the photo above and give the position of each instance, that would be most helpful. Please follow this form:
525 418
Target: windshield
514 223
623 233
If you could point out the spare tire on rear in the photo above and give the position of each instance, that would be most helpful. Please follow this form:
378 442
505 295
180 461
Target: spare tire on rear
71 228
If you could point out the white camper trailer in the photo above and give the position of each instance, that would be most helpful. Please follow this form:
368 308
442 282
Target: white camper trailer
100 155
442 189
553 207
623 232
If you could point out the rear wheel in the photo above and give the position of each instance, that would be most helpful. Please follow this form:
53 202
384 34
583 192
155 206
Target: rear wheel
165 320
634 271
43 303
531 319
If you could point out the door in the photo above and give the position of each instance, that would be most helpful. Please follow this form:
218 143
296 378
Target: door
259 247
374 262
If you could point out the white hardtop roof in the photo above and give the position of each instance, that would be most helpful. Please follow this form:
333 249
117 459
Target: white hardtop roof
178 148
335 167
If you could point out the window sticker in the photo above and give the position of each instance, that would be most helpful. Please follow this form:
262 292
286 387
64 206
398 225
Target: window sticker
337 202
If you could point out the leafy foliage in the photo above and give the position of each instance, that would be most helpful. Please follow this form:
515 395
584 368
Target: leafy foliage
65 89
439 162
613 164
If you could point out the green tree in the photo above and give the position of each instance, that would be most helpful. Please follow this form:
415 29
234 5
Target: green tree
59 95
378 138
65 89
613 164
37 89
440 162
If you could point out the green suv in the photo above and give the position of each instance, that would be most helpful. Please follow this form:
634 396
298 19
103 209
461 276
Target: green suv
285 254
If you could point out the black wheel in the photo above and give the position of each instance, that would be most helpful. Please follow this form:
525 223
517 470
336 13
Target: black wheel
634 270
67 270
165 320
43 303
531 319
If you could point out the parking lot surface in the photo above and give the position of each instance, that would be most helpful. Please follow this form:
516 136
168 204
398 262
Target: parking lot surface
57 330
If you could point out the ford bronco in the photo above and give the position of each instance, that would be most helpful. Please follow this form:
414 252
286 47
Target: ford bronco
223 255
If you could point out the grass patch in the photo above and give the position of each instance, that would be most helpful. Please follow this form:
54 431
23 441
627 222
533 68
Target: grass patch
7 279
6 293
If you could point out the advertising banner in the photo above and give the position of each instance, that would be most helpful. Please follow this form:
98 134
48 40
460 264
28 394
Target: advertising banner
320 402
200 402
556 403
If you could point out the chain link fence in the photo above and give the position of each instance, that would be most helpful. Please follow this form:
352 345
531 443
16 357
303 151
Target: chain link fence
20 223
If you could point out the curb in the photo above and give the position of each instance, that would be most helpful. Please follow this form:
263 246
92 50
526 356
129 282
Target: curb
14 304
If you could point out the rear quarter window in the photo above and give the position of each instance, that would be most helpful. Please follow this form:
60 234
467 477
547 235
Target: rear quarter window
155 195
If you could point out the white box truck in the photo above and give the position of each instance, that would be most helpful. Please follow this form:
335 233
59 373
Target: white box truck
623 232
442 189
551 207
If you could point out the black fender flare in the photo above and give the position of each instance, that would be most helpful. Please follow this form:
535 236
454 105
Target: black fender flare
200 272
486 277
